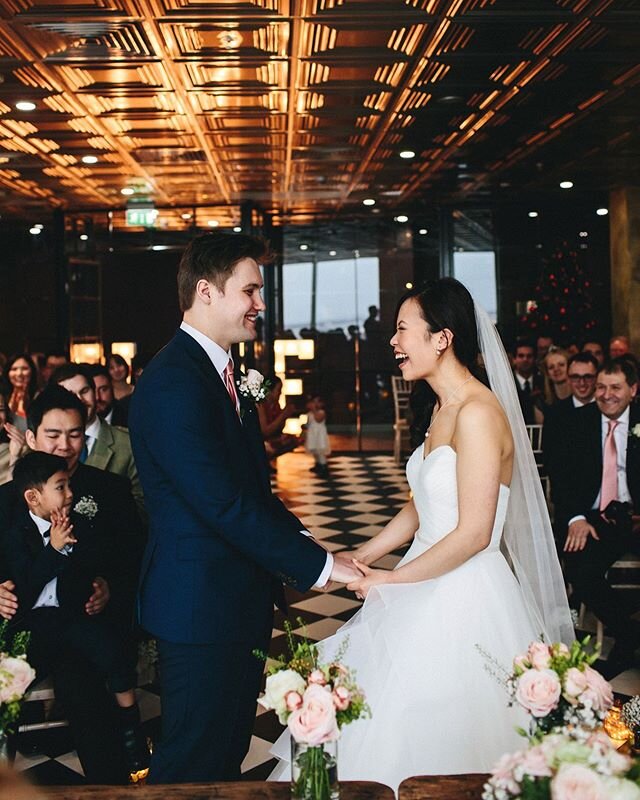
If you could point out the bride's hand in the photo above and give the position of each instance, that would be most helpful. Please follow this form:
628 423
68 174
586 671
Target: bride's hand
370 577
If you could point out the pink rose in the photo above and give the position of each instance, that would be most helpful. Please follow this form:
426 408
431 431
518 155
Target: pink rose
577 782
598 691
293 700
15 676
315 721
502 774
341 698
539 655
538 691
575 682
535 763
317 676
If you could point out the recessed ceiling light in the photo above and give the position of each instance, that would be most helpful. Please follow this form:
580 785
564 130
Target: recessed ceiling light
408 285
423 231
583 234
407 154
25 105
533 214
332 253
186 215
237 229
304 246
369 201
602 212
39 225
83 237
127 191
35 230
566 184
401 218
160 247
89 159
212 223
449 98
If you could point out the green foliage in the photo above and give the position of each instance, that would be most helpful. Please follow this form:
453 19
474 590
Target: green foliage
535 788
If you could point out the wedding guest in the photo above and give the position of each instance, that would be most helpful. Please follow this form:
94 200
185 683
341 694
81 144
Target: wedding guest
595 348
272 420
528 382
115 412
543 343
23 382
556 381
597 498
618 346
316 437
106 446
119 371
53 572
52 360
12 443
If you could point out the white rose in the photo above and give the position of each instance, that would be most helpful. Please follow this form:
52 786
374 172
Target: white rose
254 378
621 789
15 676
278 686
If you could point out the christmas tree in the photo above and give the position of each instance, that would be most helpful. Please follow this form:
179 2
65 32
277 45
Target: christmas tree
562 306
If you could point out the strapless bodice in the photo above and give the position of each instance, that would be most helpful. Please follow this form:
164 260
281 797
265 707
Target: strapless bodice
433 483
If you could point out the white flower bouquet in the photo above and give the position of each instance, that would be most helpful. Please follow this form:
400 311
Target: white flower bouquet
16 674
253 386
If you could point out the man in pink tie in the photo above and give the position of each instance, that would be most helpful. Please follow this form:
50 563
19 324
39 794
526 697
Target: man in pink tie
598 498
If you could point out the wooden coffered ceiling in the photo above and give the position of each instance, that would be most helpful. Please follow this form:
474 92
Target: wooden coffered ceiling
303 106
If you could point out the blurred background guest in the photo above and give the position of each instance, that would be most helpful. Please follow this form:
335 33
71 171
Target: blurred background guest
52 360
12 443
115 412
596 349
119 371
272 421
529 382
543 343
618 346
23 386
556 377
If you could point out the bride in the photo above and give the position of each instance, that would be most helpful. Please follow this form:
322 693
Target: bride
481 570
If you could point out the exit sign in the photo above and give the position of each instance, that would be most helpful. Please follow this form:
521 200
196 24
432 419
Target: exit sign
141 217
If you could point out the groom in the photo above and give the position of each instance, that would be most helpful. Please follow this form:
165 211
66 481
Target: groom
220 544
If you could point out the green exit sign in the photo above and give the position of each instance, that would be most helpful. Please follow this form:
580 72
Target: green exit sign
141 217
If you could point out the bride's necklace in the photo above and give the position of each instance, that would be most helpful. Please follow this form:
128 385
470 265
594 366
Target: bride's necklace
451 396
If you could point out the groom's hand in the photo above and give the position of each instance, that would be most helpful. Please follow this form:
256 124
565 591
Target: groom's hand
344 570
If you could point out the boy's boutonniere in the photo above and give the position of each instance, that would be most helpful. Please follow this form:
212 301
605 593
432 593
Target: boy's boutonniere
86 507
253 386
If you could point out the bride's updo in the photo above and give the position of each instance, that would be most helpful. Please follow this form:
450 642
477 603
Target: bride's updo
444 303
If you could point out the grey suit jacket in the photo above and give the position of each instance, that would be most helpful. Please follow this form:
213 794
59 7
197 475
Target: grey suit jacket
112 453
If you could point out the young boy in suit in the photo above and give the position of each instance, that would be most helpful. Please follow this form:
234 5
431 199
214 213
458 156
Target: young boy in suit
54 558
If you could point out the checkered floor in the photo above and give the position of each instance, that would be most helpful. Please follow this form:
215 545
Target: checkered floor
360 495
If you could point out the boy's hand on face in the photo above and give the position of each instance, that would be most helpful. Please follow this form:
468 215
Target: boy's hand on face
61 531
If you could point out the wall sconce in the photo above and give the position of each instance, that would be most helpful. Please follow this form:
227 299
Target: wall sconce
291 386
86 352
293 426
125 349
303 349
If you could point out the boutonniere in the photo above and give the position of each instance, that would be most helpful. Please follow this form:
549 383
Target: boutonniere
634 432
86 507
253 386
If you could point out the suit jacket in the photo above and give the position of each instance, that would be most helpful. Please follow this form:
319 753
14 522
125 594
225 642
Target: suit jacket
33 564
530 401
112 452
120 412
217 535
579 483
556 419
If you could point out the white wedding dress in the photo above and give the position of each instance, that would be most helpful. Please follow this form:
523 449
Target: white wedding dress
434 707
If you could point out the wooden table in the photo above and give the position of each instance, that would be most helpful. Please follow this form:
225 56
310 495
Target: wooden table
243 790
443 787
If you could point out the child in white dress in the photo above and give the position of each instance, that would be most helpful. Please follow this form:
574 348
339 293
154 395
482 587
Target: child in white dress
316 437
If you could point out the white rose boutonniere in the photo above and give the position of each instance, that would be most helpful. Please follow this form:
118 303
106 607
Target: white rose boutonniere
635 431
253 386
86 507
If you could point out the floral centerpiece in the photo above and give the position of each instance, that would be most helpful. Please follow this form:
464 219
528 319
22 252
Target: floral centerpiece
562 766
314 700
558 687
16 674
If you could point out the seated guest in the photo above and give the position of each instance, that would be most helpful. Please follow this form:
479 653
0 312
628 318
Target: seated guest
55 555
56 425
543 343
596 498
596 349
555 367
115 412
23 386
52 360
528 383
618 346
582 372
12 443
272 420
119 371
107 447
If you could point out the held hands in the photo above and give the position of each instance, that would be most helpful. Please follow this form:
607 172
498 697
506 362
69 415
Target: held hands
577 535
61 531
367 579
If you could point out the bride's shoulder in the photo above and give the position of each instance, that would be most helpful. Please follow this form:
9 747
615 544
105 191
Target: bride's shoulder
480 411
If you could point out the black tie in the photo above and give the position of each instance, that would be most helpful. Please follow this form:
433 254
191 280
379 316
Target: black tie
527 387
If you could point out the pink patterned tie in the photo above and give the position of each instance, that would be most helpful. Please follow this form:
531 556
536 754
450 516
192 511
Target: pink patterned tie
609 490
230 384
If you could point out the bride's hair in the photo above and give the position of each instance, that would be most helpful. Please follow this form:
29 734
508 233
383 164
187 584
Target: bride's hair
444 303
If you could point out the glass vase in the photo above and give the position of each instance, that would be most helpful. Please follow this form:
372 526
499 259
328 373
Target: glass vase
5 757
314 771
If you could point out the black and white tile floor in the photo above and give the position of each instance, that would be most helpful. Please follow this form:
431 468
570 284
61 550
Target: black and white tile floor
360 495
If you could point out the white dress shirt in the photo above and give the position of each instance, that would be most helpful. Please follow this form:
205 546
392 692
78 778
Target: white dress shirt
522 381
48 597
91 433
578 403
220 358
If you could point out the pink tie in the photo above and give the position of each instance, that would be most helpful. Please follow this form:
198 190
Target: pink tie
230 384
609 489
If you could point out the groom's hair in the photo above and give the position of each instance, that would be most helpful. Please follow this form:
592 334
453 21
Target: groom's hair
212 257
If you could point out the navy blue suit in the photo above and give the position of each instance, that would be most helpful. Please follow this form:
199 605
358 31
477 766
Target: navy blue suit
220 546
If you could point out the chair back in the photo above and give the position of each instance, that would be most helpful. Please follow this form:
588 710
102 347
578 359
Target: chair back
401 391
535 437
